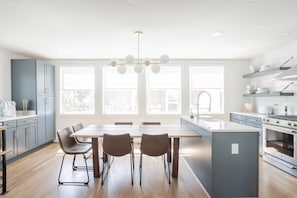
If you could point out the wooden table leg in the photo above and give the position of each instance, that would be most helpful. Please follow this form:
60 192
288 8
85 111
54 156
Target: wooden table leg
96 165
175 157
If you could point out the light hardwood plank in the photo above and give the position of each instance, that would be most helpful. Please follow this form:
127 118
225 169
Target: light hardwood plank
36 176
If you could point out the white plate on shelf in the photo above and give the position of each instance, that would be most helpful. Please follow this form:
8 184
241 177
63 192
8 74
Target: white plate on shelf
262 90
265 67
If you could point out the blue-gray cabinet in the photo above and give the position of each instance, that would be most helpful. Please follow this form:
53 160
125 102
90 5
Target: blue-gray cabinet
21 136
10 138
252 121
35 80
28 126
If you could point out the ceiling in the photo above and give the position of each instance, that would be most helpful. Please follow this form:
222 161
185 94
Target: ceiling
103 29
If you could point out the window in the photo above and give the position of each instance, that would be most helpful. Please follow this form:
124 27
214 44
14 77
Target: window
210 79
119 91
77 90
163 91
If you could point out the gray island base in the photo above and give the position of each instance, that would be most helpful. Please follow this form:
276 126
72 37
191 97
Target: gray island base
225 158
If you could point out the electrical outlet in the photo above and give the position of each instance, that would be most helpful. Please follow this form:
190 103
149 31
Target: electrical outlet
234 148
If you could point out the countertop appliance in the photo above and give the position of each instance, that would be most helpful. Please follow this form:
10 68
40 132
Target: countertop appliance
280 142
9 108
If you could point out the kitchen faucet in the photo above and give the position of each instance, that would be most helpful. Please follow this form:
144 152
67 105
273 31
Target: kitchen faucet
198 98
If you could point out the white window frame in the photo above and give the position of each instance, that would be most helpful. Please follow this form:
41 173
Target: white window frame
148 73
120 89
61 87
209 89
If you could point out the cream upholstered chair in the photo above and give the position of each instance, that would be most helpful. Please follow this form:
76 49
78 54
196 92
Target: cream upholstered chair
76 127
116 146
154 145
71 147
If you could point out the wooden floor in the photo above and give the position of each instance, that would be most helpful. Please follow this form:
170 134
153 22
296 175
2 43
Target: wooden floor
36 176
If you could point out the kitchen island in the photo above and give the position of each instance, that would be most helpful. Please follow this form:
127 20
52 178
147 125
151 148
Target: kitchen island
225 157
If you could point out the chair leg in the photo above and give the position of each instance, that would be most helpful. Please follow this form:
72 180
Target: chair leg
85 158
73 163
106 167
132 167
74 167
132 145
169 175
140 169
61 170
164 159
86 165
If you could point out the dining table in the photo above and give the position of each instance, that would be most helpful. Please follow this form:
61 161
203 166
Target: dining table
175 132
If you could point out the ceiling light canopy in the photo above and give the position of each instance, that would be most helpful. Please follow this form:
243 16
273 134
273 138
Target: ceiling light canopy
217 33
139 64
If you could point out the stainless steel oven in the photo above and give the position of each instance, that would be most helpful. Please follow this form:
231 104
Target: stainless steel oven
279 142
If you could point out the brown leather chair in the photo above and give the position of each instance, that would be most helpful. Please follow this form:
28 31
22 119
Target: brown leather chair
71 147
116 146
123 123
132 140
76 127
151 123
154 145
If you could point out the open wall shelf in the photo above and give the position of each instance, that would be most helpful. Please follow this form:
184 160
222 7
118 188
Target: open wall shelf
270 94
265 72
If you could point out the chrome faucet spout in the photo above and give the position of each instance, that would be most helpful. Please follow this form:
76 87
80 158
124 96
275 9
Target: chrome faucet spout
198 98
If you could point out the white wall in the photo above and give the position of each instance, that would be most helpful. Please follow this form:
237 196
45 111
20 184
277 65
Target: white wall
276 58
5 74
234 86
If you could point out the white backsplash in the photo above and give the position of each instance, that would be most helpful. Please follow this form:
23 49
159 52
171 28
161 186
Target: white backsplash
277 58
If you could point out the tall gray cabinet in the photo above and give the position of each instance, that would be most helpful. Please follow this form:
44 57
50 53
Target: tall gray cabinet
35 80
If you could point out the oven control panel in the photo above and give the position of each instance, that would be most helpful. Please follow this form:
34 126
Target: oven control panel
281 123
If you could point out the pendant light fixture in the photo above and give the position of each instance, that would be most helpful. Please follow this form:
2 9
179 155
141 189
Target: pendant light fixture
139 65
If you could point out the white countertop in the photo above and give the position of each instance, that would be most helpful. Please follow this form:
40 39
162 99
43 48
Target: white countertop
216 125
10 118
254 114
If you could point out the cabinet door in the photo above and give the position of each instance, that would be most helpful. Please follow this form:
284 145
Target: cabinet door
11 143
41 137
50 118
46 119
31 136
40 77
23 82
45 78
237 118
21 139
50 80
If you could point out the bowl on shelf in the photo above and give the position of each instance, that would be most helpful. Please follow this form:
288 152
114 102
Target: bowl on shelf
254 68
251 89
262 90
264 67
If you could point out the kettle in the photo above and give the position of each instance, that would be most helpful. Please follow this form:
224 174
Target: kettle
9 108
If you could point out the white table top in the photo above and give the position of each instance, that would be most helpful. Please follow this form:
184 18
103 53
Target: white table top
97 131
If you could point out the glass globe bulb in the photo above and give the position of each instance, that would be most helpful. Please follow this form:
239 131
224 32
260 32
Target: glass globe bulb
155 68
138 68
164 59
121 69
129 59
